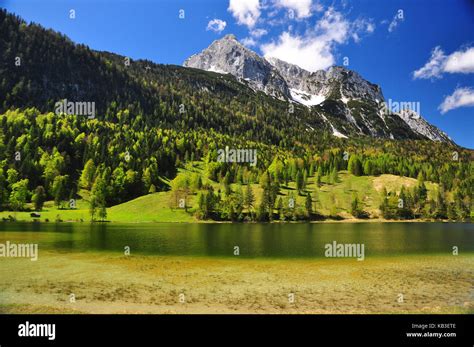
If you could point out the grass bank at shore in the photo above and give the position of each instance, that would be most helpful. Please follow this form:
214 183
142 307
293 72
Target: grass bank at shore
155 208
110 283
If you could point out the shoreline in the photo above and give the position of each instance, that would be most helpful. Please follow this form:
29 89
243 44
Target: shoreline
328 221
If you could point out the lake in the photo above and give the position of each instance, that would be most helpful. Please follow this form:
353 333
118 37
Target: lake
253 240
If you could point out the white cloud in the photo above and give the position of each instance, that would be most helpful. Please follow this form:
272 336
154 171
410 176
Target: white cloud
360 27
313 50
318 7
356 37
333 26
257 33
246 12
302 8
310 53
393 25
399 17
461 61
370 28
216 25
434 67
461 97
249 42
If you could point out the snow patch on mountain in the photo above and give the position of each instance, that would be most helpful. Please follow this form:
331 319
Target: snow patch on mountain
344 99
212 68
337 133
305 98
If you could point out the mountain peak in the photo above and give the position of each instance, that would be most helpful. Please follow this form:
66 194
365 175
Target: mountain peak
230 37
341 97
228 55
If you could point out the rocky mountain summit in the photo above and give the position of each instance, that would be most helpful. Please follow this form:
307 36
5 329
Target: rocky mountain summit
341 98
336 81
228 55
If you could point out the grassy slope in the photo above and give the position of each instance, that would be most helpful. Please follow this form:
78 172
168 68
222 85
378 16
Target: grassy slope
148 208
367 188
155 207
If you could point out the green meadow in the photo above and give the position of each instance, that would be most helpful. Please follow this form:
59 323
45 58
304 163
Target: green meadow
158 207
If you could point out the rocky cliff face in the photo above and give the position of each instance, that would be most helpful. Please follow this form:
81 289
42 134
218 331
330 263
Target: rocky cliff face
348 104
336 81
421 126
228 55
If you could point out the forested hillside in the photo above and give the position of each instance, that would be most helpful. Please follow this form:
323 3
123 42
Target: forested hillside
152 120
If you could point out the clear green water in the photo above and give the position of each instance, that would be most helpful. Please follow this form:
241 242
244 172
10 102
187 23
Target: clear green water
253 240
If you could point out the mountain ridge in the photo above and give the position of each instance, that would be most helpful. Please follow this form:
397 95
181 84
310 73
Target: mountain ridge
155 92
358 101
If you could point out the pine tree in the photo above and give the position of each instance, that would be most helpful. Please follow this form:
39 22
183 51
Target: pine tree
299 181
420 177
368 167
58 190
422 192
333 178
39 198
441 208
147 180
319 176
87 177
249 198
355 208
3 189
93 207
239 199
309 205
226 181
98 198
451 211
355 165
202 209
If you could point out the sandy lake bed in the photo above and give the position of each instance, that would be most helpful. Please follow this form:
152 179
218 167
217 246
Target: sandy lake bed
98 282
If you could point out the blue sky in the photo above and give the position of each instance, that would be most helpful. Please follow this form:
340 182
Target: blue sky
416 50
